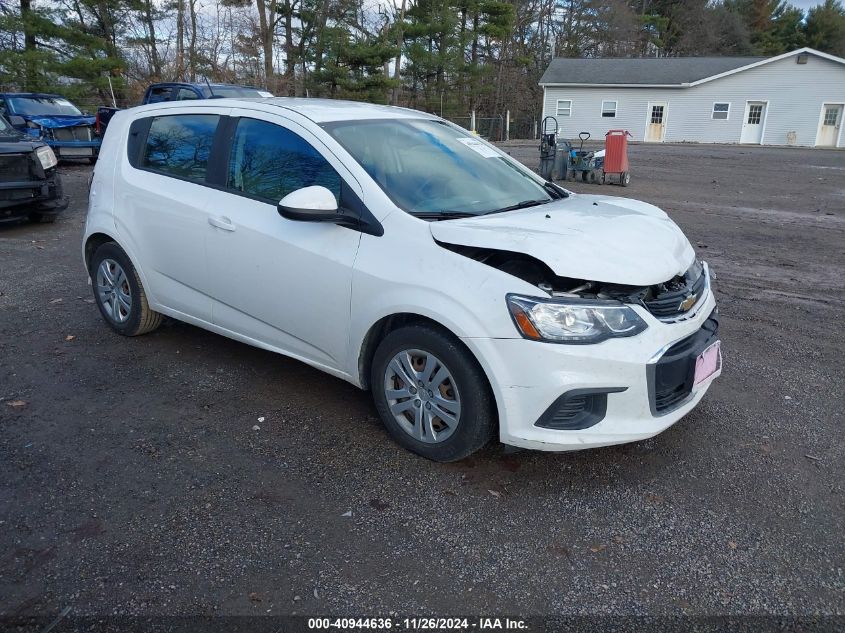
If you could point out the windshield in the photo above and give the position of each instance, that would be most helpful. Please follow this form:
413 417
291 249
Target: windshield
43 106
429 167
236 91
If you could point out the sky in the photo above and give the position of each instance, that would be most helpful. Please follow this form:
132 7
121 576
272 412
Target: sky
805 4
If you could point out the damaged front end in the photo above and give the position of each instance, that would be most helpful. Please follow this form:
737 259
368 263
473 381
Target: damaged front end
676 299
28 188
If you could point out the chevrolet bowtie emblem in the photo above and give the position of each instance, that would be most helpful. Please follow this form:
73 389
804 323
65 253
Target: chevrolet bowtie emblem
688 303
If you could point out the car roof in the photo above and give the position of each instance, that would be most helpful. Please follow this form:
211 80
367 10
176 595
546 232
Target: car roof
201 84
318 110
31 94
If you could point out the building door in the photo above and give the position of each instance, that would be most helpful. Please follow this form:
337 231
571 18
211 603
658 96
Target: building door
830 124
752 124
655 130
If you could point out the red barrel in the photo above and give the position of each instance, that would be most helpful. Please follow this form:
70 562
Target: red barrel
616 151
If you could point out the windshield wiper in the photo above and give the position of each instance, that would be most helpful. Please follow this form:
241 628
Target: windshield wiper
519 205
442 215
555 190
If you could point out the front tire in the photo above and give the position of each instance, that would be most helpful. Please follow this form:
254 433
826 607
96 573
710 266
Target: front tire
431 394
119 294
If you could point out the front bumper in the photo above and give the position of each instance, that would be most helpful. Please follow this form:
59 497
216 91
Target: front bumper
20 199
528 377
74 149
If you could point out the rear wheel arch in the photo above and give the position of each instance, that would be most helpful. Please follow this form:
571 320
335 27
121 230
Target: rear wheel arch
95 241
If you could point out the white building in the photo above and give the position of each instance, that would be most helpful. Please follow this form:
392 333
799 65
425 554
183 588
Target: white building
796 98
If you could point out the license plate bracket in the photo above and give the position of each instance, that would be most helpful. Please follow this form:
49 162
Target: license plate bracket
76 152
708 364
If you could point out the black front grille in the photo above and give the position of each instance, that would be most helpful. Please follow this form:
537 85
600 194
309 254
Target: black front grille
75 133
673 395
671 378
14 167
670 303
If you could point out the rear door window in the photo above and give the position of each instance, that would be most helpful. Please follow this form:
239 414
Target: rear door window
180 145
268 162
162 93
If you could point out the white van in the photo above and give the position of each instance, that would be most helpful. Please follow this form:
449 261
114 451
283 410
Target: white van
403 254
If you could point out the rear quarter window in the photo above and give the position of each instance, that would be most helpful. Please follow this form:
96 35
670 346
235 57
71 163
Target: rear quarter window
180 145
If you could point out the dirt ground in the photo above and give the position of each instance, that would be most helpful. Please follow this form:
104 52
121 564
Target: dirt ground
132 481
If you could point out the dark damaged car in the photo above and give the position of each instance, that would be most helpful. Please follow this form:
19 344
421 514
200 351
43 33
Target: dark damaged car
30 185
55 120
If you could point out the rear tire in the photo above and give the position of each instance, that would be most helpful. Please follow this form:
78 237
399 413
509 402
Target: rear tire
119 294
443 373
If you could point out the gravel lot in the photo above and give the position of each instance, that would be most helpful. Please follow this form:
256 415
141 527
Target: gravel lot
133 483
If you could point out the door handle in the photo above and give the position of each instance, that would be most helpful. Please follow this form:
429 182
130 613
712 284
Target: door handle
222 223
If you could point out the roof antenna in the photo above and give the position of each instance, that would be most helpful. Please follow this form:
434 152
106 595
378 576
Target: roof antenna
209 87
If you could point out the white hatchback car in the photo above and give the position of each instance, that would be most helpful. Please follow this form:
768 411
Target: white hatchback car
403 254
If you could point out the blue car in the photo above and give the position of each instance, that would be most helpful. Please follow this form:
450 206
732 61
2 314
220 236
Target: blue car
53 119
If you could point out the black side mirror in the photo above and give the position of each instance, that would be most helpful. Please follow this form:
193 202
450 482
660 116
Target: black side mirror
17 121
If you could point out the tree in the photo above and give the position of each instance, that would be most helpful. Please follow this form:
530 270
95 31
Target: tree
825 28
774 26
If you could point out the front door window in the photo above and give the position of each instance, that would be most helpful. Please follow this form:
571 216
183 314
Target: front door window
268 162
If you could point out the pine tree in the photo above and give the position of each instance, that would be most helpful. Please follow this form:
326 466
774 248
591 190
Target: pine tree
825 28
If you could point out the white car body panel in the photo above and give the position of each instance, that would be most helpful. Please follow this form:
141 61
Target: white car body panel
267 271
313 291
599 238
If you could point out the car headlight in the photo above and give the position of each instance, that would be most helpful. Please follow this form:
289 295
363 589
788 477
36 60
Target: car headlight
578 321
47 157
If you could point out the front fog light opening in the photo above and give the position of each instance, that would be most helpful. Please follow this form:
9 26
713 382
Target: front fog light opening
577 409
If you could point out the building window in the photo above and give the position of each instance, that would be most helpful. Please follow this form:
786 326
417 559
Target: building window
831 114
657 114
755 114
564 107
721 110
608 109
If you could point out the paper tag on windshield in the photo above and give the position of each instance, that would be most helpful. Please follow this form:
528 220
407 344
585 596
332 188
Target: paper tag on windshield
474 144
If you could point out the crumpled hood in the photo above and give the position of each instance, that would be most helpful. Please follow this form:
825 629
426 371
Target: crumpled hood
596 238
60 120
14 145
